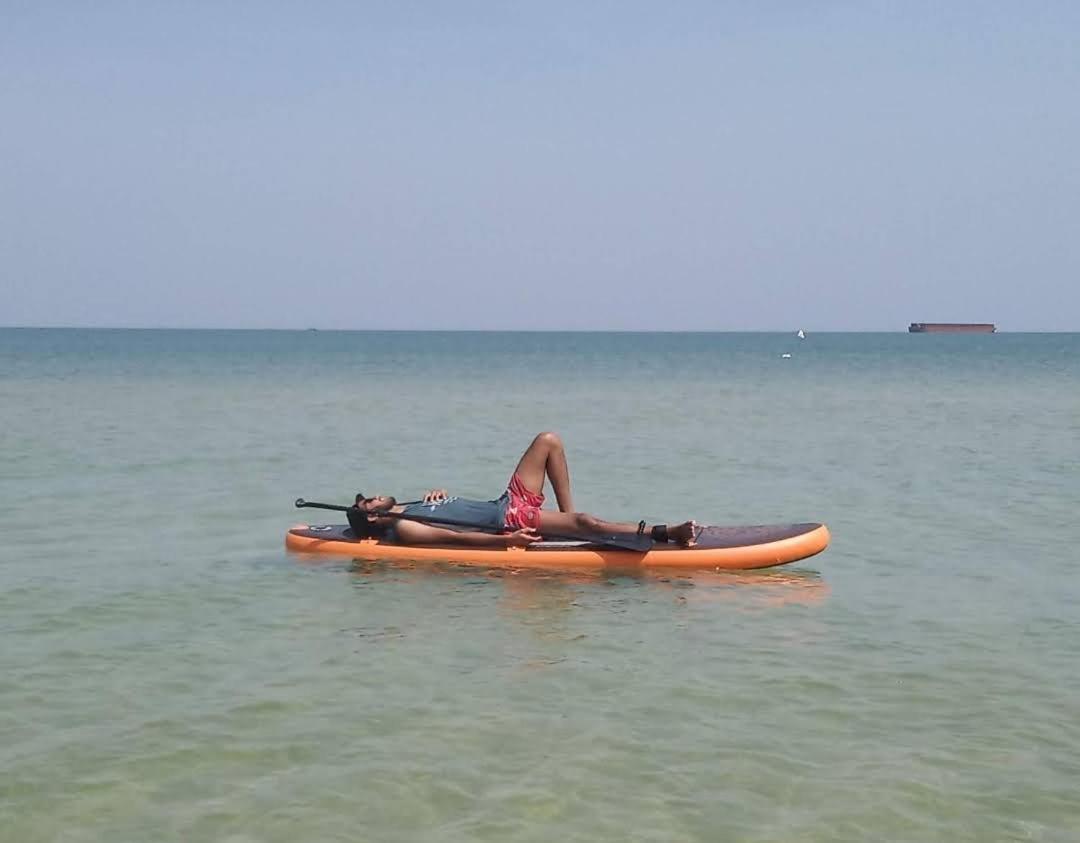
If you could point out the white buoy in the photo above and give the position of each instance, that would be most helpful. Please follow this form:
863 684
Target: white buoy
785 356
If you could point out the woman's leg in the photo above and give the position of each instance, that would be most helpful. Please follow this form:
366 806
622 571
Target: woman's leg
545 457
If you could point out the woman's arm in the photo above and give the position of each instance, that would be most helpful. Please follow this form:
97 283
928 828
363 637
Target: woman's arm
410 532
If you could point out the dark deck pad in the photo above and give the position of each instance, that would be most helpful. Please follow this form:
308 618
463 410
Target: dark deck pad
711 537
747 536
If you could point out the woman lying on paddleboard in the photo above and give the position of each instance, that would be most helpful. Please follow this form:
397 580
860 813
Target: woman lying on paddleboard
517 512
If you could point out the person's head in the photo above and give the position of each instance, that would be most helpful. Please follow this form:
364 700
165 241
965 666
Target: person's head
375 505
364 515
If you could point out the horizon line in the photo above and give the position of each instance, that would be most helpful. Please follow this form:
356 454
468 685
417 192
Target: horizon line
314 329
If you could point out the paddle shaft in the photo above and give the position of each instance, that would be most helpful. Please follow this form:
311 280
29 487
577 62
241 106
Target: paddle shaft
639 543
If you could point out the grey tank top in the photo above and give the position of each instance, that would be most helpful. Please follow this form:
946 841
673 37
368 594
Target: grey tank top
480 515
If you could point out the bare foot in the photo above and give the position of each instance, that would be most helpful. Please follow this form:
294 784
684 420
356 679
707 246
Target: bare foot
685 534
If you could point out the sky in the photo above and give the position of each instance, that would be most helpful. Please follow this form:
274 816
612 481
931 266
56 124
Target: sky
712 166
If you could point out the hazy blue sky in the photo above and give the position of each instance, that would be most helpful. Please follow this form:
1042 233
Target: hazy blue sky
710 166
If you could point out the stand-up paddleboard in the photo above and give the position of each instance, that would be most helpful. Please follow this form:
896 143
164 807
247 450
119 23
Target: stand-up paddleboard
728 548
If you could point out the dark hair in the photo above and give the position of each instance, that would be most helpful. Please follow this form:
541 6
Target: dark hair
362 527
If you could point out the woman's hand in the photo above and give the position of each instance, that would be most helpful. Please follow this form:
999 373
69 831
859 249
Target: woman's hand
436 496
522 537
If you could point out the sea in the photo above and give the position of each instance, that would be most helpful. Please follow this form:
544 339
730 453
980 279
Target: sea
168 672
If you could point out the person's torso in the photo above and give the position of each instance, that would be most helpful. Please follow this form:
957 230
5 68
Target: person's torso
471 513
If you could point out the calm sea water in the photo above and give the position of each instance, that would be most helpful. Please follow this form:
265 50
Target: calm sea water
167 672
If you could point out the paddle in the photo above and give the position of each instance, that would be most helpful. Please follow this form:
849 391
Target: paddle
639 543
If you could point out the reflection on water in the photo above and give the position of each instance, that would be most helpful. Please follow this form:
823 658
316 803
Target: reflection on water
529 590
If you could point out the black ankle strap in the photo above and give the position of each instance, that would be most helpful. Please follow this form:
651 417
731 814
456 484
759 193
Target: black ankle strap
659 533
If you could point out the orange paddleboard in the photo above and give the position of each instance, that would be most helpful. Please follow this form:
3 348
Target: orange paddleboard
718 548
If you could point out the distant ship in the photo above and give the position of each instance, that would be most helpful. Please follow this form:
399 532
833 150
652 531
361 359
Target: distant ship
951 328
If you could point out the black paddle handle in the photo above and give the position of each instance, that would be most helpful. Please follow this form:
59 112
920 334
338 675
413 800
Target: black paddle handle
301 503
401 516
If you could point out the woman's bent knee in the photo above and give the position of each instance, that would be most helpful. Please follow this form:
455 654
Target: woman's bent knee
549 438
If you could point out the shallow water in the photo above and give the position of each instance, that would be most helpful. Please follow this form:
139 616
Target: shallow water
168 672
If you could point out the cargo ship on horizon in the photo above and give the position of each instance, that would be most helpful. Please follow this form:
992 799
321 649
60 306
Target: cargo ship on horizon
952 328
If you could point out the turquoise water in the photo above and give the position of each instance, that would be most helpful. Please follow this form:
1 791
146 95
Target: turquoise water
169 673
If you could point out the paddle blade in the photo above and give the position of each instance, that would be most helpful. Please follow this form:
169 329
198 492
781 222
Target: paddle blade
639 543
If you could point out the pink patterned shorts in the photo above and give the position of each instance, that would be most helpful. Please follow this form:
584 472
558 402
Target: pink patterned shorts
523 509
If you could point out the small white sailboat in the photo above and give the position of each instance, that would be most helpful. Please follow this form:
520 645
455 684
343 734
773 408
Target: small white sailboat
801 335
